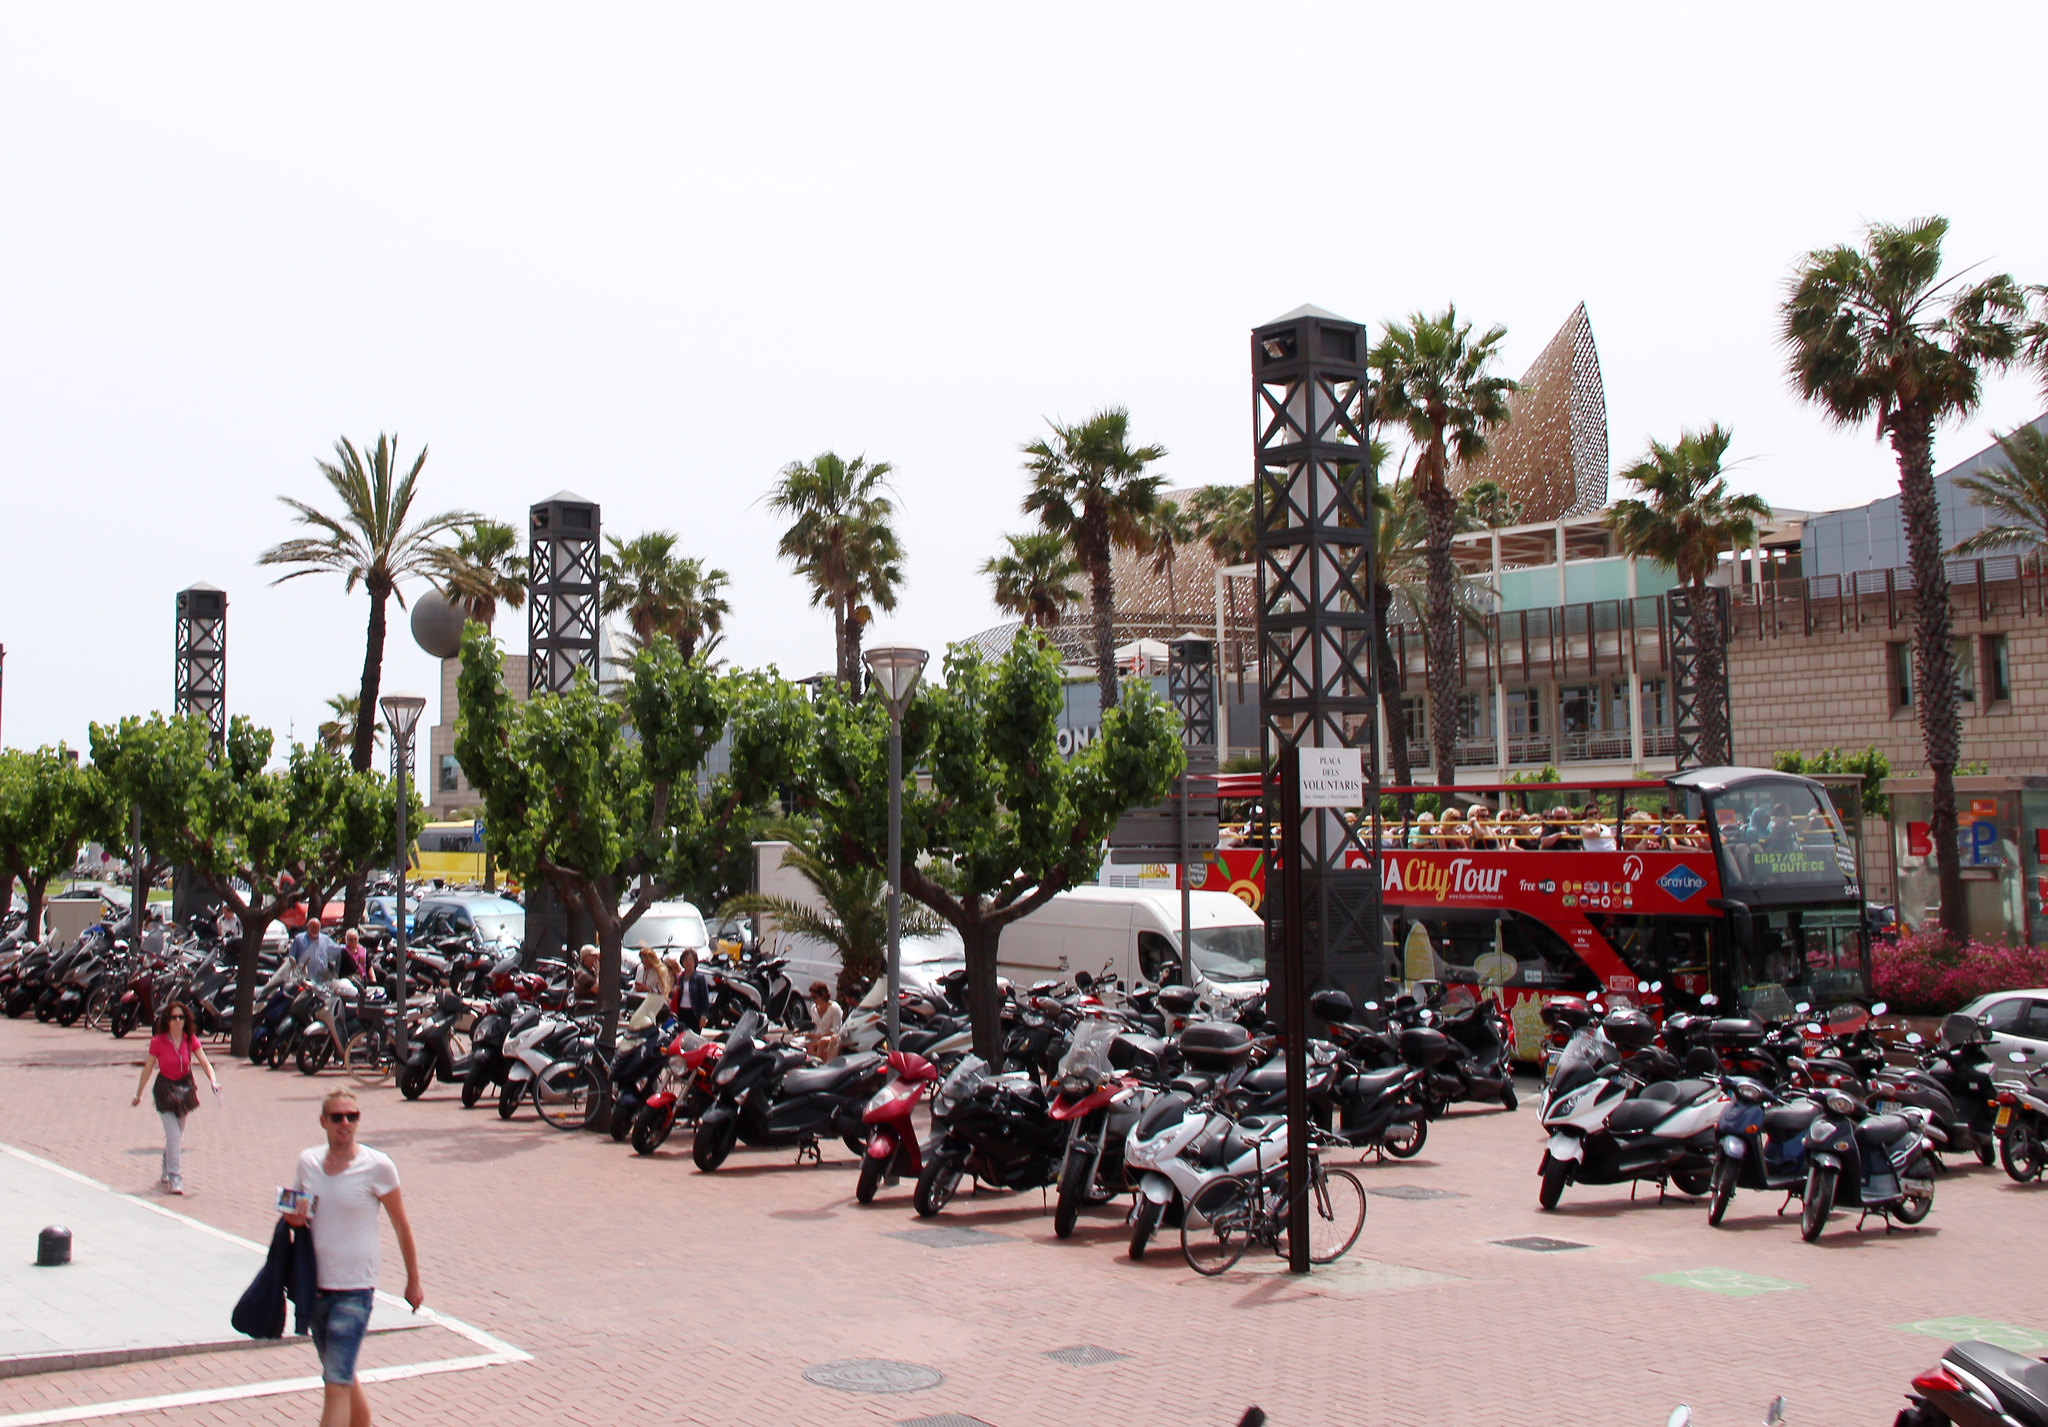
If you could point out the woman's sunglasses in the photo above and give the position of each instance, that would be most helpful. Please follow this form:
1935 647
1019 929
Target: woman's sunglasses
345 1117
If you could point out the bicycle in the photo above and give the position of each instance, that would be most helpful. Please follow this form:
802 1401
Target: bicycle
1230 1214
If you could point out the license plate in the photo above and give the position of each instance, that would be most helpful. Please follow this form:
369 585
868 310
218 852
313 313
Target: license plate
2004 1116
1887 1107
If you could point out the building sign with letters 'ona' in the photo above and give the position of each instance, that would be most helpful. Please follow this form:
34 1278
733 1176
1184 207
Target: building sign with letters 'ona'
1332 778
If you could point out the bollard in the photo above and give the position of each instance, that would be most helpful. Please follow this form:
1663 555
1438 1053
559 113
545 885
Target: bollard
53 1247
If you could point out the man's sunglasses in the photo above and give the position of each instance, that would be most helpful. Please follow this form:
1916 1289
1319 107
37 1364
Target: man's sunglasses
345 1117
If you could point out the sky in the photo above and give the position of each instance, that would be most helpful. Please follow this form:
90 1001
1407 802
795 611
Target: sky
651 254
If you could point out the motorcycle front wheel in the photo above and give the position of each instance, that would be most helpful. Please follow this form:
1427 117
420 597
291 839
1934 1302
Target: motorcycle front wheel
473 1086
313 1056
713 1142
651 1127
1555 1173
2019 1149
1819 1200
940 1179
1144 1219
413 1083
873 1169
509 1096
1076 1174
1722 1190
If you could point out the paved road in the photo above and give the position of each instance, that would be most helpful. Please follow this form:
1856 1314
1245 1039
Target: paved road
646 1292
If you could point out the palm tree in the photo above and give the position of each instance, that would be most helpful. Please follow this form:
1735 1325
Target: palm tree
842 540
370 543
1224 522
1167 531
1873 333
853 915
1088 484
661 592
2015 495
1035 581
1685 520
338 733
1437 381
482 570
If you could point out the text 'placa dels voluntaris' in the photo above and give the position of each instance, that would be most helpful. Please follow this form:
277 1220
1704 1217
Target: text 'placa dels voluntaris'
1332 778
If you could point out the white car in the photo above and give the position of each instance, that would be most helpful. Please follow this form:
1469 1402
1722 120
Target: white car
671 928
2018 1021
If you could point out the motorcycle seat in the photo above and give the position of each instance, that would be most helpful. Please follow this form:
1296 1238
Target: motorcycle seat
1676 1092
833 1075
2018 1380
1640 1115
1784 1121
1193 1084
1268 1079
1373 1083
1881 1130
1232 1143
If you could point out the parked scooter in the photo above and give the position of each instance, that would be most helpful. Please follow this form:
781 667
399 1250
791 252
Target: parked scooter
1877 1163
1603 1132
692 1063
892 1148
1958 1062
1979 1385
430 1053
2023 1121
549 1061
766 1101
1760 1143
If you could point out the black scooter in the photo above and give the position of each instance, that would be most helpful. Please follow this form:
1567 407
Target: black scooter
1760 1144
637 1071
429 1050
1958 1062
1979 1385
1877 1163
488 1064
764 1099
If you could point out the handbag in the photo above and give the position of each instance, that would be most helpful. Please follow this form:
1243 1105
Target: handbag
178 1097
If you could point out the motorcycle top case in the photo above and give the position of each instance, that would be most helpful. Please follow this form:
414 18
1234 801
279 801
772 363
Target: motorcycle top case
1422 1046
1216 1046
1629 1030
1736 1032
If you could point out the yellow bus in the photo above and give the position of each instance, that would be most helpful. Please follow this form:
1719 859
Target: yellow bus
451 851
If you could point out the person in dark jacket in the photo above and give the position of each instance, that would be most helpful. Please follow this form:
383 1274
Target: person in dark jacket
692 994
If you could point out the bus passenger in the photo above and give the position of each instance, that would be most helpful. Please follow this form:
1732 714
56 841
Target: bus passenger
1450 830
1424 834
1559 833
1529 834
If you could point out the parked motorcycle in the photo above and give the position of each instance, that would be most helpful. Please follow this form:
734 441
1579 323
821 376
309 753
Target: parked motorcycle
1099 1107
1604 1129
550 1061
1760 1144
692 1063
765 1100
1877 1163
997 1128
892 1148
2023 1121
432 1052
1979 1385
488 1064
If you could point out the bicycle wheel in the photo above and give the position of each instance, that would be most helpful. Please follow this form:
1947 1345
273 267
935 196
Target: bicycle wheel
1218 1224
1336 1213
368 1057
563 1094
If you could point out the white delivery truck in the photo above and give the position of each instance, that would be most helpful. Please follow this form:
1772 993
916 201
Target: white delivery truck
1135 935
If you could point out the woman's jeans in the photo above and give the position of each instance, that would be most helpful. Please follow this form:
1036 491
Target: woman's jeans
174 1145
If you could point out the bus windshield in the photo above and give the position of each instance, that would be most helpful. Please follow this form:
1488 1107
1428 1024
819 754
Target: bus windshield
1781 833
1811 954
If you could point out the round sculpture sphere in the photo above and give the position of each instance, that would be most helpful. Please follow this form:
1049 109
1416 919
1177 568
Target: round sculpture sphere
437 625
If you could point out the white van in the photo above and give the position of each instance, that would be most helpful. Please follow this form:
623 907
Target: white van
1135 935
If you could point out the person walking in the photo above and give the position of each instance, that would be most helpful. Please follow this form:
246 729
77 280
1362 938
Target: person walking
345 1184
313 949
173 1051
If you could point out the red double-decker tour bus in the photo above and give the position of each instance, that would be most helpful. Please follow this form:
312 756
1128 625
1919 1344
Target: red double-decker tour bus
1736 881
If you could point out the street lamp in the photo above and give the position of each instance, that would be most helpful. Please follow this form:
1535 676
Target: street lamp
895 673
402 716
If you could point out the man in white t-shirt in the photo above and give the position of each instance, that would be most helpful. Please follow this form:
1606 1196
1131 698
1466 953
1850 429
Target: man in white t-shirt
347 1183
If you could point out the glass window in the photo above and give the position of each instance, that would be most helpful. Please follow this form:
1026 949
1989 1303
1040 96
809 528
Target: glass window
1966 669
1415 718
1229 953
1997 668
1525 711
2035 1024
1781 832
1157 960
1472 716
2005 1016
1656 711
450 774
1900 658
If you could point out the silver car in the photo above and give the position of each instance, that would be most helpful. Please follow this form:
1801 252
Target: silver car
2018 1022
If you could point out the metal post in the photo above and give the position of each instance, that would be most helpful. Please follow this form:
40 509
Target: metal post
1294 1005
895 968
141 893
1187 945
404 756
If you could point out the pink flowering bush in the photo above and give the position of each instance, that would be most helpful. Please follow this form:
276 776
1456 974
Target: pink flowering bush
1926 973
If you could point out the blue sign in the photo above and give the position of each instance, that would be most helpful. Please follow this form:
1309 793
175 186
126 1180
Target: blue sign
1681 882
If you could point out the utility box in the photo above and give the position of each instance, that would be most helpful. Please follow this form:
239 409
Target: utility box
2002 836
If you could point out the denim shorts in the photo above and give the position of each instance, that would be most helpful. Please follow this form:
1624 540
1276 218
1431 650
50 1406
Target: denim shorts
340 1318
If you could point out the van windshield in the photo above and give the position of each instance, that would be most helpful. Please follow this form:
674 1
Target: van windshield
1230 953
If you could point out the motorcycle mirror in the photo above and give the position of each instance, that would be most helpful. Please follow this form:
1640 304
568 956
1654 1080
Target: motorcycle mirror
1878 1008
1372 1005
1681 1416
1775 1413
1656 985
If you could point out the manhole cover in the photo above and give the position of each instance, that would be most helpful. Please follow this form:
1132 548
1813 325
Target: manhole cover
944 1419
948 1238
1085 1356
1413 1191
1537 1244
873 1375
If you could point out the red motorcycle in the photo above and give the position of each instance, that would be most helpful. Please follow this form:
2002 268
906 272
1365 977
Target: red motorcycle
1092 1097
694 1061
892 1140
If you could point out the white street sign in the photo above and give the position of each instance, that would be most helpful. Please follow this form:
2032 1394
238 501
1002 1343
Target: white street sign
1332 778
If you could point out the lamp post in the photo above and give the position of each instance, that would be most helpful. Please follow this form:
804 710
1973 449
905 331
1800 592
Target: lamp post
895 673
402 716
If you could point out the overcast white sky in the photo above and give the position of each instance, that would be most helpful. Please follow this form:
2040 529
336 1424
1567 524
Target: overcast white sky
652 254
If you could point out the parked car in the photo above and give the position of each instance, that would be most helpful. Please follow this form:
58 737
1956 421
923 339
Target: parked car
671 928
2018 1022
486 916
925 958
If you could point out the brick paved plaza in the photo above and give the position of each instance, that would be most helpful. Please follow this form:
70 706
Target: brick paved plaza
647 1292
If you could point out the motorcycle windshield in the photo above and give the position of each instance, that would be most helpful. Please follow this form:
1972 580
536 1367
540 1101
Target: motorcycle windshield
966 1075
1090 1049
742 1036
1584 1058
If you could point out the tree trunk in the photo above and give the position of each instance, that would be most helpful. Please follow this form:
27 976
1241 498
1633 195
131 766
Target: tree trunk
1441 508
32 889
1390 694
610 927
1102 606
854 671
1912 439
366 729
984 997
838 639
254 924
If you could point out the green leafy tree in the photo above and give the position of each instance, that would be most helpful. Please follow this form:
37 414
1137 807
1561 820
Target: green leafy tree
1225 522
1683 517
1035 581
998 823
661 592
482 570
1488 506
1870 764
614 824
852 915
1436 380
49 808
1089 486
261 838
842 539
338 734
1873 333
2015 496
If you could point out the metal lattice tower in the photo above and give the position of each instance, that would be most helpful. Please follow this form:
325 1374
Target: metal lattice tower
1312 504
202 670
1191 685
562 587
1699 714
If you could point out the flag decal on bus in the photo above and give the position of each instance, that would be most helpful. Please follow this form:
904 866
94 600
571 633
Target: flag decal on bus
1681 882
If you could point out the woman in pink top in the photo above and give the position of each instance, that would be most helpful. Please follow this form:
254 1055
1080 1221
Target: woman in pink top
173 1051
